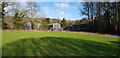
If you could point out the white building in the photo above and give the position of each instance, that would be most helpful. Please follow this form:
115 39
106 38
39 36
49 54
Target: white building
56 27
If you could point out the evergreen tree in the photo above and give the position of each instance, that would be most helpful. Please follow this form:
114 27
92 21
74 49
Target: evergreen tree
64 23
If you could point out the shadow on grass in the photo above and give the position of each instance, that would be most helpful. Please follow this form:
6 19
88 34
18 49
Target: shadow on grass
58 46
115 42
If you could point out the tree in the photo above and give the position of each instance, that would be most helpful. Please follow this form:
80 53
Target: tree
44 24
17 20
104 15
4 24
64 23
33 7
48 20
86 9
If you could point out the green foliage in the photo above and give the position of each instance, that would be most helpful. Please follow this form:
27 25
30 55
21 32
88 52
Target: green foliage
48 20
44 25
17 20
17 24
32 24
4 25
64 23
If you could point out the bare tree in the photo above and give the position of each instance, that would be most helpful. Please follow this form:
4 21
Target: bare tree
33 8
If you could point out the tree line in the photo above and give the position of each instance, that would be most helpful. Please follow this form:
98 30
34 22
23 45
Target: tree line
17 19
17 16
104 16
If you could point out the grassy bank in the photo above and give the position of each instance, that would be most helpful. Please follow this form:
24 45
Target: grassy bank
57 44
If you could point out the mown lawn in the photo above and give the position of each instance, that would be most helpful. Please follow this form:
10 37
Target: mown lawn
57 44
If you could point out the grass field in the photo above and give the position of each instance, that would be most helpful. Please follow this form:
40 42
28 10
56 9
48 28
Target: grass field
57 44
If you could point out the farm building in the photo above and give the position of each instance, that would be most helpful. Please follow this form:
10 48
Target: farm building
55 27
28 25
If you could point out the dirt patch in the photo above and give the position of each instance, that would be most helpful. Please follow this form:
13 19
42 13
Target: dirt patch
87 33
98 34
24 30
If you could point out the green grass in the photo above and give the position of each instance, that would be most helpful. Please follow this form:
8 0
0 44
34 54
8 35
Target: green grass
57 44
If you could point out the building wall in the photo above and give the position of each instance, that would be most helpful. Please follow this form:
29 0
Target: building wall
56 27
